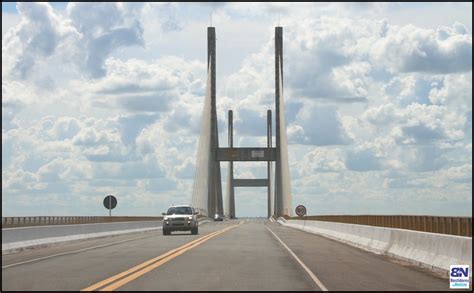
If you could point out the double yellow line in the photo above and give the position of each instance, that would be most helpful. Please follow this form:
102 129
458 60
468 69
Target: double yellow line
131 274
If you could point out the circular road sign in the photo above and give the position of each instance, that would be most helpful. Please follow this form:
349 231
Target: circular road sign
300 210
110 202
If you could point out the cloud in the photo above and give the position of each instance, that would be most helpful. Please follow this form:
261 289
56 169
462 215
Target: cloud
383 114
37 36
318 125
413 49
442 179
103 30
148 87
99 48
65 169
321 159
250 122
425 124
131 125
455 91
362 160
64 128
410 88
324 59
424 158
11 106
83 38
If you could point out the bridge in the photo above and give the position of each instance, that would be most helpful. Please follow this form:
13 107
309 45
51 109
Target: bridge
207 192
278 252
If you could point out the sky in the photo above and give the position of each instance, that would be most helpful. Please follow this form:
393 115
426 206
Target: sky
106 98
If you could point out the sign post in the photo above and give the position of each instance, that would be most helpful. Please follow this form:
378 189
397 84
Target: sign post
301 211
110 202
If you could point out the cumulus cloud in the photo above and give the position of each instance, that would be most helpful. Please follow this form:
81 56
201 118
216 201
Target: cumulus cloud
456 91
64 128
324 63
36 37
84 37
65 169
406 89
424 124
452 178
318 125
321 159
103 30
413 49
362 160
250 122
383 114
148 87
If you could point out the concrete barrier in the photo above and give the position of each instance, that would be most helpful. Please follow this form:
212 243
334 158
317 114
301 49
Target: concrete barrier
434 251
14 239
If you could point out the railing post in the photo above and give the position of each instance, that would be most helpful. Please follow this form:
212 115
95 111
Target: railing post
469 227
458 226
448 226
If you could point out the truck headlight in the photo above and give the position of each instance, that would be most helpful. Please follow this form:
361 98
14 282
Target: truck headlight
190 217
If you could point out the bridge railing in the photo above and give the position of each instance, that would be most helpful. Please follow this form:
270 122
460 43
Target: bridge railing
11 222
461 226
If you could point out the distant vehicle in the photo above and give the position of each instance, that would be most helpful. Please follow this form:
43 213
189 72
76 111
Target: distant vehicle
180 218
218 217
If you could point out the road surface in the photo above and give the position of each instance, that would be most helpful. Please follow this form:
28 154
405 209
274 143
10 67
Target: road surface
243 254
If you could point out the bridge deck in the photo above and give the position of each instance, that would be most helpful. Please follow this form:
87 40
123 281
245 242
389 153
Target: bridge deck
247 257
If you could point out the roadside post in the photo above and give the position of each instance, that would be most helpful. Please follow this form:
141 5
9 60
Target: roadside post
301 212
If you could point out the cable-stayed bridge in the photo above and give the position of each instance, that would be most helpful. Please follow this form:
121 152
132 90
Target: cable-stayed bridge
207 191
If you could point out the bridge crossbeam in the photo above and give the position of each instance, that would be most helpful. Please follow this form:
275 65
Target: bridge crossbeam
250 182
246 154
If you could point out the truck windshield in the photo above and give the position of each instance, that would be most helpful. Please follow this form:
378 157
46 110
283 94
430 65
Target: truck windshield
180 211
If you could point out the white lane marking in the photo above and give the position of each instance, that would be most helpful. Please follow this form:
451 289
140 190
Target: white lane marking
75 251
310 273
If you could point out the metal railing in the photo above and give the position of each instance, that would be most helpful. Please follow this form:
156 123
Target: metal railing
461 226
10 222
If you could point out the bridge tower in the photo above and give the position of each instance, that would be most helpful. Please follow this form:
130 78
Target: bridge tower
207 190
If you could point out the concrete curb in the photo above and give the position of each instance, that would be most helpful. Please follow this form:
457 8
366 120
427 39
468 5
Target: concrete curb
281 220
204 221
431 250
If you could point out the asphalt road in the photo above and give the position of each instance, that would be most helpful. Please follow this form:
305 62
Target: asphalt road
229 255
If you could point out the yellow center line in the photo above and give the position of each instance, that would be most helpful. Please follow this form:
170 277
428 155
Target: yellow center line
140 266
147 269
141 269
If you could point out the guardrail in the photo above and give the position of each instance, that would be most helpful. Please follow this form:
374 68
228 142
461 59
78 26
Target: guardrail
461 226
11 222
